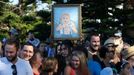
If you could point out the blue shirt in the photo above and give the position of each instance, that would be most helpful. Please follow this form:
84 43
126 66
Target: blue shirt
94 67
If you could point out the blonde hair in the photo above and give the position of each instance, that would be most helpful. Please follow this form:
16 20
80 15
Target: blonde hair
82 58
80 55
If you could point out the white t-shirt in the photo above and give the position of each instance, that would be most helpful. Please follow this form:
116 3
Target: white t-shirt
22 66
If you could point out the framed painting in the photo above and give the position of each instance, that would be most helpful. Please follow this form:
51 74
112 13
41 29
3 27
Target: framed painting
66 21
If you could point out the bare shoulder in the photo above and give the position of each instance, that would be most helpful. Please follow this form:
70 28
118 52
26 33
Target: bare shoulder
67 70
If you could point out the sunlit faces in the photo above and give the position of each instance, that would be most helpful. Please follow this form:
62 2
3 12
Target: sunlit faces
95 42
75 62
27 52
11 52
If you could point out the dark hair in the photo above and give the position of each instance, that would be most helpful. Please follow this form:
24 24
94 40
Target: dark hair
102 52
13 42
93 34
29 44
81 48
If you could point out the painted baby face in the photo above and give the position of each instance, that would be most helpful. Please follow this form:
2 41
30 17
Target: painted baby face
65 18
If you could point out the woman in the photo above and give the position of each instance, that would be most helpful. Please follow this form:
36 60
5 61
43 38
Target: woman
64 51
77 64
49 66
36 62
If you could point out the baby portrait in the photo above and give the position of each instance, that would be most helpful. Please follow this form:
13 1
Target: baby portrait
66 22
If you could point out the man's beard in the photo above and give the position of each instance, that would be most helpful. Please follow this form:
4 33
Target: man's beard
13 59
94 50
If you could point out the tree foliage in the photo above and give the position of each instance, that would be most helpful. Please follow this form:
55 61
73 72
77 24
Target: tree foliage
24 18
102 15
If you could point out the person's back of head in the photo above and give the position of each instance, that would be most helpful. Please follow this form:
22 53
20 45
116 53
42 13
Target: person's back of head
102 52
50 64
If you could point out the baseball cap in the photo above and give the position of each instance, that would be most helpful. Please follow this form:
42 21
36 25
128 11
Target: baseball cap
110 42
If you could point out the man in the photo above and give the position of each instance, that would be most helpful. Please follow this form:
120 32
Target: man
93 55
94 45
13 34
107 55
27 52
112 44
14 65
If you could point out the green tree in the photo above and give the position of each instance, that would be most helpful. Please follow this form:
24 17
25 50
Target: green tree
24 18
104 16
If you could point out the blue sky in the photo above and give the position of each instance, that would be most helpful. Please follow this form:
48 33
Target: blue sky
40 4
14 1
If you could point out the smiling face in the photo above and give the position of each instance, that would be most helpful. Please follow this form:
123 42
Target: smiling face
27 52
11 52
95 42
75 62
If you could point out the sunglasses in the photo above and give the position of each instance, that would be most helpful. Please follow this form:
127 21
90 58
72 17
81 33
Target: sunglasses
14 69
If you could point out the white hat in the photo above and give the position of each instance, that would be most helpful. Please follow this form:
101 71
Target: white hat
118 33
106 71
112 41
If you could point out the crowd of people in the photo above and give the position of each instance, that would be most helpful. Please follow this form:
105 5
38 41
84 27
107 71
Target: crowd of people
66 57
